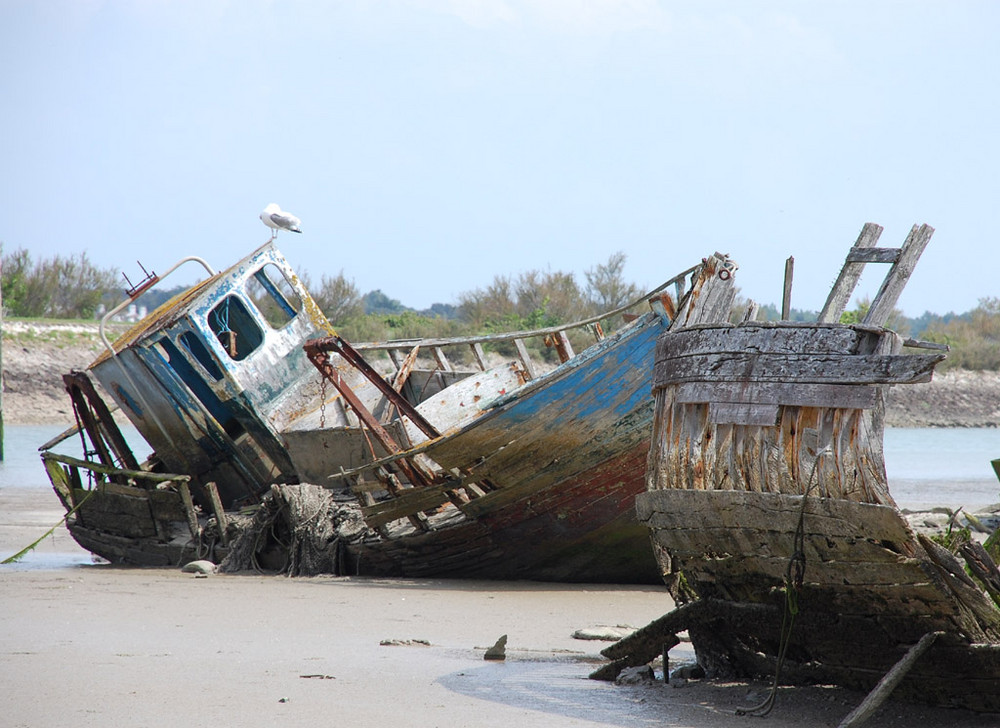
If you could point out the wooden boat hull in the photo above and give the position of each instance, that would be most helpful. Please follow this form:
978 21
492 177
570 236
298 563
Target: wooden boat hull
869 592
581 529
771 518
505 471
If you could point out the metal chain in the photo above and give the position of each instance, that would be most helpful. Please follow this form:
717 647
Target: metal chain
322 400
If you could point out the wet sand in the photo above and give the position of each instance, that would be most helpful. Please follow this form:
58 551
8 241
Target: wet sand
94 645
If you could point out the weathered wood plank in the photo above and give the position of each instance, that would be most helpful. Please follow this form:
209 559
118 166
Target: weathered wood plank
792 368
764 338
786 296
714 541
405 503
844 286
899 274
742 413
522 353
847 396
873 255
115 512
220 513
189 511
734 570
887 684
166 505
767 511
710 299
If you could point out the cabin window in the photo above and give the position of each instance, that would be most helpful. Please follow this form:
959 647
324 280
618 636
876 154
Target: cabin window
235 328
199 387
193 343
274 295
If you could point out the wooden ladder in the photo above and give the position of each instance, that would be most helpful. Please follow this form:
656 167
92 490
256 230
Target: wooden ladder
903 261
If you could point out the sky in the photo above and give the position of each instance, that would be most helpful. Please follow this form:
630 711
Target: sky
429 146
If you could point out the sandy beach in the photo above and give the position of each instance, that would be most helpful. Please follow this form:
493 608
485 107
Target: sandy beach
84 644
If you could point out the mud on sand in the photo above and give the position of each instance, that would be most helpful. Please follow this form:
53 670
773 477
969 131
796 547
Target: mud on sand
96 645
93 645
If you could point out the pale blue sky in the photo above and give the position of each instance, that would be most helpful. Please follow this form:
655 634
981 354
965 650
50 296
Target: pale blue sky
429 145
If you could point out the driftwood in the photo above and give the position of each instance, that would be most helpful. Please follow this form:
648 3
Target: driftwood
887 684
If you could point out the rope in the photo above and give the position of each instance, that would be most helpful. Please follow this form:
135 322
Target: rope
794 576
20 554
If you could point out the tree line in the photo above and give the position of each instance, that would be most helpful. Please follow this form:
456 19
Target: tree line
72 287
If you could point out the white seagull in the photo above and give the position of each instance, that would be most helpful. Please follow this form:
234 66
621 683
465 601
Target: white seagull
277 219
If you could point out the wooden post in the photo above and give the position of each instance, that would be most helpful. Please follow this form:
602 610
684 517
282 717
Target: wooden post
220 514
786 298
888 683
189 512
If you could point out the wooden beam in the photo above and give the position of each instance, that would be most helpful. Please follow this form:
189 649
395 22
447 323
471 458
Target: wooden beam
797 369
220 513
844 286
192 517
479 356
786 296
843 396
888 683
522 352
873 255
899 274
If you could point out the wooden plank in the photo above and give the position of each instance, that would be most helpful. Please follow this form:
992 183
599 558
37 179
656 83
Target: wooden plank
116 513
711 297
442 361
792 368
220 513
702 536
405 503
189 511
741 509
873 255
844 286
479 355
766 338
837 575
522 353
847 396
404 367
561 342
98 468
742 413
786 297
166 505
894 283
888 683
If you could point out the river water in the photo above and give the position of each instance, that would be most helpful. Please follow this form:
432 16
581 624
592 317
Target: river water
926 466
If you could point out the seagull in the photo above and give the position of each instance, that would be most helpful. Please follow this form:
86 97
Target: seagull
277 219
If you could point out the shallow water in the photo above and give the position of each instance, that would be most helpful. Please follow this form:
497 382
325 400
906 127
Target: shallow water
924 464
927 467
932 466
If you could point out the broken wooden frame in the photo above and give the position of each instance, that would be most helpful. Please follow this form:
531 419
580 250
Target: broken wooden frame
413 485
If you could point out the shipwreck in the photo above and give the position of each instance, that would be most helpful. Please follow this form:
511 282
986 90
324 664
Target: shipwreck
771 515
278 445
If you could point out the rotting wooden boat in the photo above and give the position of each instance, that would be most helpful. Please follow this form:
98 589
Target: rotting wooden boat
773 523
278 444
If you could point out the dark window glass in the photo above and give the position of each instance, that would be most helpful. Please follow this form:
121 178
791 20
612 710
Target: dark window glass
235 328
193 343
